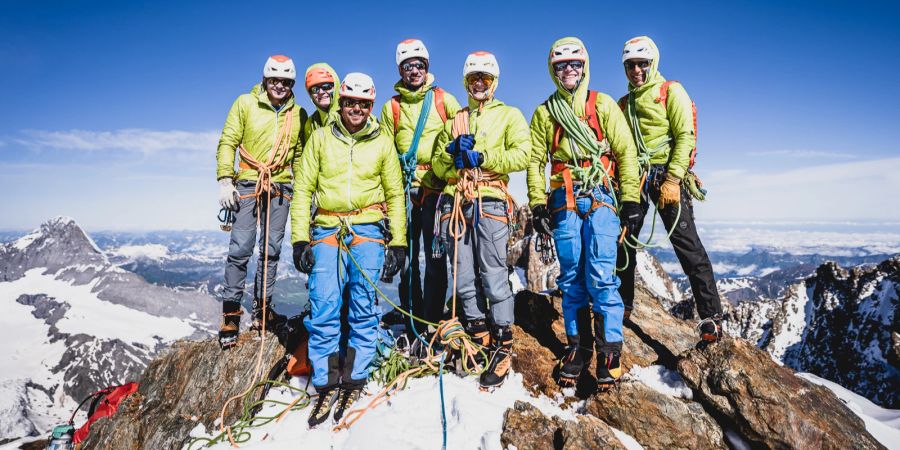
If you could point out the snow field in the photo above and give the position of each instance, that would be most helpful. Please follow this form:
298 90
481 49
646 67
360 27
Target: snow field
411 419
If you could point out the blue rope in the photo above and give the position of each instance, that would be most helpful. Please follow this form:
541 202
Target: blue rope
409 161
443 409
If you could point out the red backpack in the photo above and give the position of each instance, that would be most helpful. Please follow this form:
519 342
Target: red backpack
663 98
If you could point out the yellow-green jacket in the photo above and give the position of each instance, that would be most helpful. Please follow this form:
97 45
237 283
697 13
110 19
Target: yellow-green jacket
347 173
501 135
410 106
612 123
254 123
319 117
665 131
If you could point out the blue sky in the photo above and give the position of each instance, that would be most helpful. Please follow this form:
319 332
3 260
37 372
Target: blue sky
111 110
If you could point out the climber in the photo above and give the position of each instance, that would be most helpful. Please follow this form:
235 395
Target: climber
264 127
474 154
351 168
665 132
413 125
321 81
589 145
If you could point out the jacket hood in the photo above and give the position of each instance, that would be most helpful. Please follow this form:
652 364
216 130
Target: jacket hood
411 96
333 109
578 98
653 75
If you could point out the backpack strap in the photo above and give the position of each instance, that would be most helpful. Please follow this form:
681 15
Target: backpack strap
664 92
395 109
439 104
623 102
593 120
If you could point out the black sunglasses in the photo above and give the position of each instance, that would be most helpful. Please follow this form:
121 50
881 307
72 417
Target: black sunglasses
560 66
629 65
353 102
282 81
418 65
327 87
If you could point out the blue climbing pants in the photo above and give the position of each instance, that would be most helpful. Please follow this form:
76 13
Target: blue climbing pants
333 275
586 244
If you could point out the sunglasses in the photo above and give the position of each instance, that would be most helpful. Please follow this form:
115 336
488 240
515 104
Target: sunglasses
418 65
486 78
562 65
354 102
630 64
324 87
282 81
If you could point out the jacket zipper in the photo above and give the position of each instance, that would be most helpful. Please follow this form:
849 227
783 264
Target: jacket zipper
350 177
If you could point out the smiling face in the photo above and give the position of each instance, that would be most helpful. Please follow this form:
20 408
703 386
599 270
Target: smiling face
278 89
479 85
354 113
636 71
413 72
321 95
569 73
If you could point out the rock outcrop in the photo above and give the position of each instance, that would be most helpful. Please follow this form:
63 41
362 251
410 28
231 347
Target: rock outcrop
527 428
185 387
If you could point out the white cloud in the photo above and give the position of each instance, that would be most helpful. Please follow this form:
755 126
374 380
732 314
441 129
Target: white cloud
129 139
799 153
850 191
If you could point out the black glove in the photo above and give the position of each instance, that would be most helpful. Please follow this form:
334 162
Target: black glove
630 216
304 260
540 219
394 258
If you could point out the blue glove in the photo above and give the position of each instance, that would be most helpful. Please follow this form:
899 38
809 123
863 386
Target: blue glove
468 159
463 142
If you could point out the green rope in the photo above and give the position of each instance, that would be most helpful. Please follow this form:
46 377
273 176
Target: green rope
240 431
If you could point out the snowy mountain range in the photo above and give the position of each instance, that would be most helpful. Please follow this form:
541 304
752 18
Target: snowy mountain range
75 322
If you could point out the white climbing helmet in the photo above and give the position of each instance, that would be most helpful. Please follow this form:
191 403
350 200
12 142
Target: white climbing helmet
358 85
411 48
481 61
280 66
568 52
639 48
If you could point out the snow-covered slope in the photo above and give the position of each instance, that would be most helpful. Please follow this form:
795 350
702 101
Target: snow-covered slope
74 323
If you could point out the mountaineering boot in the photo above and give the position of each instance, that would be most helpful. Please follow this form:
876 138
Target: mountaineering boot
328 394
350 392
231 324
572 363
710 329
501 359
273 319
477 330
609 370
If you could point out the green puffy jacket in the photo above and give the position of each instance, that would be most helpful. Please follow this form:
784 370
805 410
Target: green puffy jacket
612 123
347 173
501 135
665 131
254 123
410 107
319 117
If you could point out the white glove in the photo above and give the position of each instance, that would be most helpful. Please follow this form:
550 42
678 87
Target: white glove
228 195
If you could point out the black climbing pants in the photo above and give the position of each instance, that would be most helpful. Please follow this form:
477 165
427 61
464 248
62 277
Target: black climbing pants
686 243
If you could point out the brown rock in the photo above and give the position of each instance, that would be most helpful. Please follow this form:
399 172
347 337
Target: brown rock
657 420
769 405
191 380
527 428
